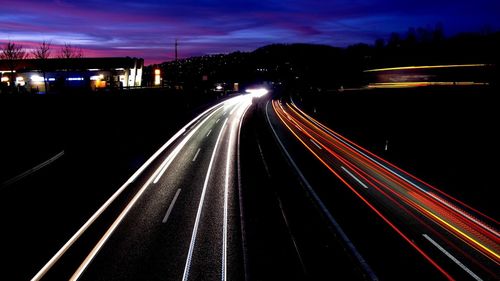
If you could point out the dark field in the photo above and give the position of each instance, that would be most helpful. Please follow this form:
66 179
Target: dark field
114 132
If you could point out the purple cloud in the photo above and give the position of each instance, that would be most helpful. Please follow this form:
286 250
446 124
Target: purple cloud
149 28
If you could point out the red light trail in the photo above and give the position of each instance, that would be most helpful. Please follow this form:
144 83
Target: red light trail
434 211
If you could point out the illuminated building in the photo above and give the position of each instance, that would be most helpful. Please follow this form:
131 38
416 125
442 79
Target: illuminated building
86 73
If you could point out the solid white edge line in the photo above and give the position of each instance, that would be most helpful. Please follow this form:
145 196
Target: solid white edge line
350 246
106 204
196 155
187 267
353 176
455 260
171 206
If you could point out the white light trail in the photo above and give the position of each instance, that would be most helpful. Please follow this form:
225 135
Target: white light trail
233 110
200 207
226 190
494 232
346 240
179 147
103 208
390 169
259 92
159 172
93 253
395 172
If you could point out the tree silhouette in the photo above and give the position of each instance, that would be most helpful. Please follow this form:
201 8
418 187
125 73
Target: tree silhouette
41 54
68 51
12 53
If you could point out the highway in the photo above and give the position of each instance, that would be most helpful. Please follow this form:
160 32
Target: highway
176 218
254 188
443 238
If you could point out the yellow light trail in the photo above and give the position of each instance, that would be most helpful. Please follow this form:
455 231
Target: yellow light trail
426 67
415 201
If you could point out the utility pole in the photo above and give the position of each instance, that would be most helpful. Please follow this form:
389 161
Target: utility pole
176 44
176 64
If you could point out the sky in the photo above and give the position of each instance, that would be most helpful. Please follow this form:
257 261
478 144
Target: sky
149 28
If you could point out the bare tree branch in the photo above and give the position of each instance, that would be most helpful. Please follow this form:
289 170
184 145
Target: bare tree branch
13 53
42 54
68 51
43 51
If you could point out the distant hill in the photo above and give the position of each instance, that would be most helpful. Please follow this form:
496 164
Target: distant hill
308 66
297 64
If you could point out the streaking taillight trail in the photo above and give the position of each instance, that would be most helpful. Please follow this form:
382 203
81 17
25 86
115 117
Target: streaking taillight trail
434 210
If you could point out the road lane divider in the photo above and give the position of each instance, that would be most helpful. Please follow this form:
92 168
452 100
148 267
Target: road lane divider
196 155
315 143
358 149
354 177
453 258
165 218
